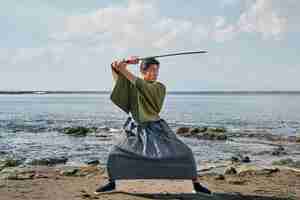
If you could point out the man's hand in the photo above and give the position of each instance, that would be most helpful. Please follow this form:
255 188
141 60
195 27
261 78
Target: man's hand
119 65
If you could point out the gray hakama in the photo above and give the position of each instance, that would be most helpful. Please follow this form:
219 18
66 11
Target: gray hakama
149 148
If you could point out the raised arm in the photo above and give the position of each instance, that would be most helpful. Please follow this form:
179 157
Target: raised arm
121 67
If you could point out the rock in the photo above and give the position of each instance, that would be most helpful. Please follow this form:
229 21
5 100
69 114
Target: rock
279 151
243 170
240 159
235 159
183 131
93 162
49 161
217 130
15 173
197 130
69 172
81 171
9 162
212 136
287 162
230 170
246 159
79 131
220 177
76 131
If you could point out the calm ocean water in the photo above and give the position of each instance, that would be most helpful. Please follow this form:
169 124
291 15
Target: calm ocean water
28 122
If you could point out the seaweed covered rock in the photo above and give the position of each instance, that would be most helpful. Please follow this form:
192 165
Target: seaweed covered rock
89 170
78 131
198 130
212 136
287 162
243 170
183 131
49 161
9 162
205 133
230 170
279 151
216 129
240 159
15 173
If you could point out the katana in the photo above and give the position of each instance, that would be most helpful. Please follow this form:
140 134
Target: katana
136 60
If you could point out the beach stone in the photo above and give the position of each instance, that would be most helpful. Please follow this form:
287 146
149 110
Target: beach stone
15 173
287 162
240 159
9 162
230 170
3 153
234 159
89 170
79 131
183 131
93 162
197 130
243 170
212 136
69 172
217 129
220 177
49 161
279 151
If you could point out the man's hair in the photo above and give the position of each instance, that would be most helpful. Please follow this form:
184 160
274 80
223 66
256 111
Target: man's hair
147 62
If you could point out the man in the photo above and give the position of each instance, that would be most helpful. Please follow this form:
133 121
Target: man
151 149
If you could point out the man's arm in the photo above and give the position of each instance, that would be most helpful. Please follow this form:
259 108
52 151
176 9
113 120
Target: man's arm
121 67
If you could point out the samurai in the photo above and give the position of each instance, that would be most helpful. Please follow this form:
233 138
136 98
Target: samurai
150 148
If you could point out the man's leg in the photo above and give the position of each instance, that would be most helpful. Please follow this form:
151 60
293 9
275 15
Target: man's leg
199 188
109 186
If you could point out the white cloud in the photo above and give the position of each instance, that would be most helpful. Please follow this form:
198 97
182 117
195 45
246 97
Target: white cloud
262 18
137 25
272 19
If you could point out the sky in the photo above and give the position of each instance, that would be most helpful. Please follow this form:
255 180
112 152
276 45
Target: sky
69 45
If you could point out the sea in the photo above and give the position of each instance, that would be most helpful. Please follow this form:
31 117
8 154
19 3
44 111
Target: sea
30 122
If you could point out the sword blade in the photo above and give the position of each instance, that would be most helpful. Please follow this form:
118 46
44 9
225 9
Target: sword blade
173 54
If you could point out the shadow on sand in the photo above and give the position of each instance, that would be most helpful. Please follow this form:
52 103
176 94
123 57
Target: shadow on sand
192 196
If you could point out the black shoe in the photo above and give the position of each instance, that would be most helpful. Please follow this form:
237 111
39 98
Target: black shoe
111 185
199 188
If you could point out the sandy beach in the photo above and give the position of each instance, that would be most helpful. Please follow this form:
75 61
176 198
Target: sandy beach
55 183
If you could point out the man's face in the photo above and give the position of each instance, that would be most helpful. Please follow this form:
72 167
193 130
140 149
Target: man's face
151 74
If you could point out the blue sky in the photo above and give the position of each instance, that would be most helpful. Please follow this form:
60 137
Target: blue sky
69 45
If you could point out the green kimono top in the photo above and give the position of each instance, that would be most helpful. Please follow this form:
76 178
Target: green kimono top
143 99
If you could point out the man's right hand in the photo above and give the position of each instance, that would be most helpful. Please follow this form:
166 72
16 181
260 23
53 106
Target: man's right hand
119 65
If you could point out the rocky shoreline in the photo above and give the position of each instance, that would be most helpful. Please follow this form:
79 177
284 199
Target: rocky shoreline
239 174
279 181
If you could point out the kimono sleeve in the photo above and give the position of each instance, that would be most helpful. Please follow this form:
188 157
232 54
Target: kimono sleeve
153 93
120 92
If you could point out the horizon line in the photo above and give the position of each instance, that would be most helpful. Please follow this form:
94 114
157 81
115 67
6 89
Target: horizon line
169 92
